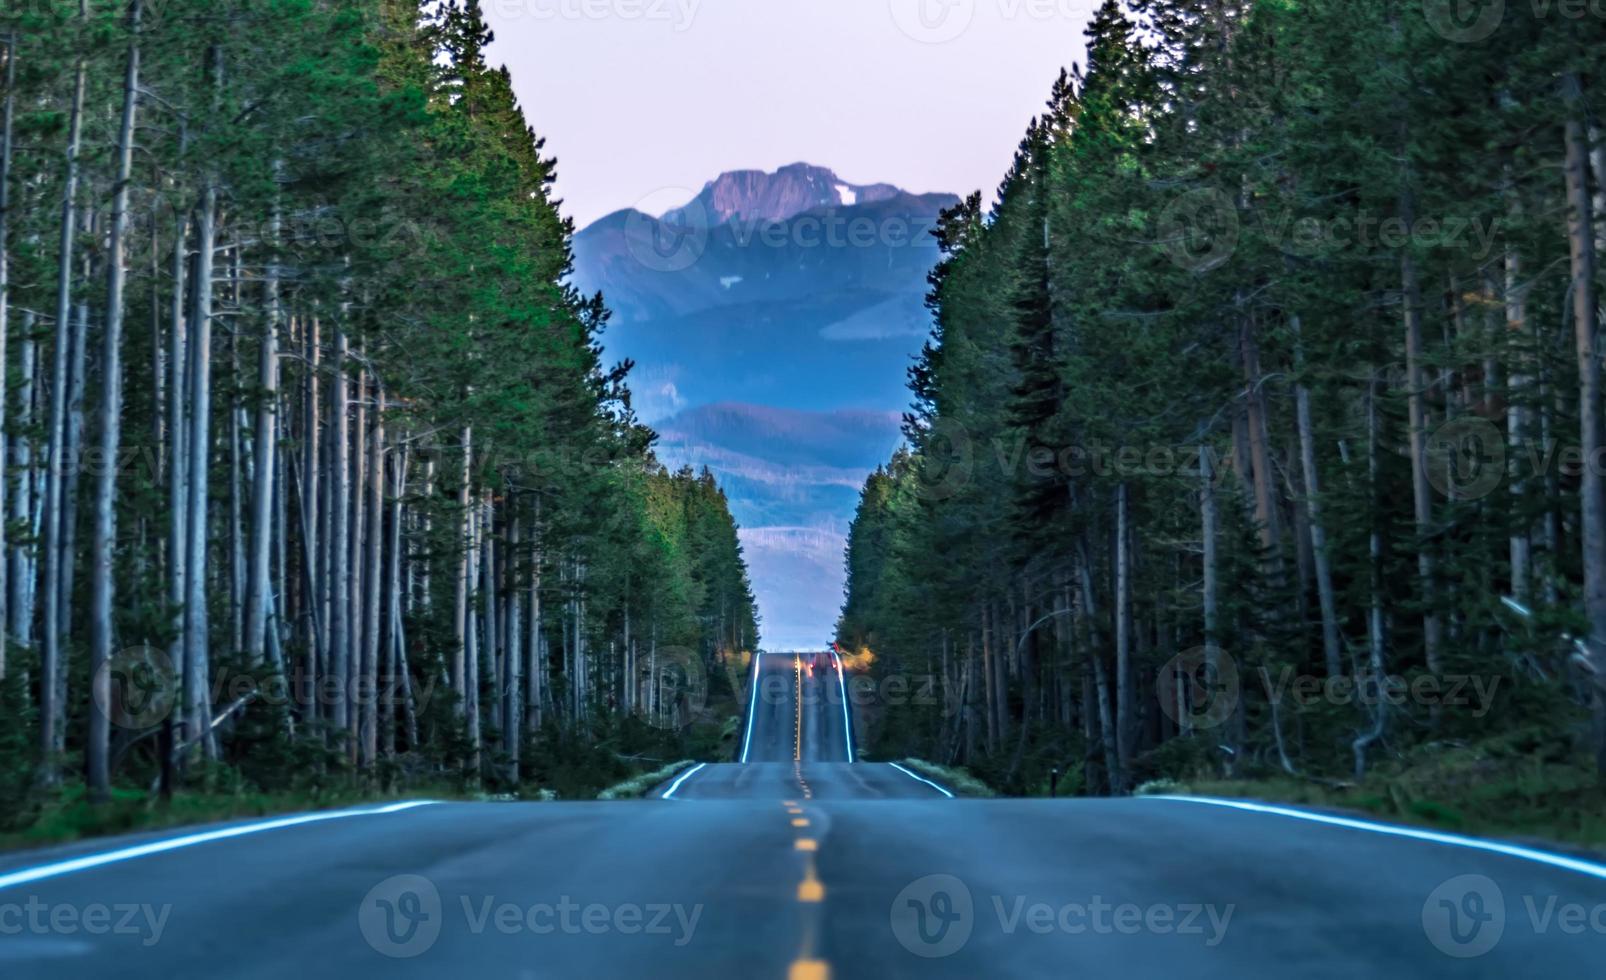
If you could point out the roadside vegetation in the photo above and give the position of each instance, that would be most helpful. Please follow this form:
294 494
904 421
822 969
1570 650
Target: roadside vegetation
1258 442
314 485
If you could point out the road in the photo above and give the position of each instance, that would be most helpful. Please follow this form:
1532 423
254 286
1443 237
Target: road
799 864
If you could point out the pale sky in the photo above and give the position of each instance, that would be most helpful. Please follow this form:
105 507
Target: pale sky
643 99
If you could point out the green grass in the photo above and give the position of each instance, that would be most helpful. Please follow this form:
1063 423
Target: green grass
634 787
1500 788
72 817
959 780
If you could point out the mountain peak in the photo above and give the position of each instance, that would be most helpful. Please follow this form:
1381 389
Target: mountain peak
755 195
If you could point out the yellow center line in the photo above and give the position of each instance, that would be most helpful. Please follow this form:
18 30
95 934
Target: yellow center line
811 890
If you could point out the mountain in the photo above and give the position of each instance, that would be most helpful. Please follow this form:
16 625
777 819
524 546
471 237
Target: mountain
790 191
772 318
794 288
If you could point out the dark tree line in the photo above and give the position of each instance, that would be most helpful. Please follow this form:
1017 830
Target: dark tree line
1277 358
305 432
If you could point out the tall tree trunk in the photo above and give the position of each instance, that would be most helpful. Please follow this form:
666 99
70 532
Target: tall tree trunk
178 481
312 515
196 628
513 723
1211 601
1372 683
376 530
7 114
356 491
339 550
1592 493
265 441
1258 447
1125 679
1517 424
536 670
1332 647
399 683
460 622
103 584
20 576
52 662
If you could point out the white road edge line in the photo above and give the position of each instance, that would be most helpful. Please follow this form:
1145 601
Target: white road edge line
847 724
922 779
1453 840
752 707
88 861
670 792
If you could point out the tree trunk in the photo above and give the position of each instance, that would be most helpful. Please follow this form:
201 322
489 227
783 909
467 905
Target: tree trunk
376 530
1592 494
265 439
513 724
7 115
1212 575
1374 620
339 586
52 662
103 584
316 633
20 576
1332 647
460 622
1126 701
197 724
356 492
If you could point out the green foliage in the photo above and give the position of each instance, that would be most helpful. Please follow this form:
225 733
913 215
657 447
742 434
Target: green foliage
1206 246
376 181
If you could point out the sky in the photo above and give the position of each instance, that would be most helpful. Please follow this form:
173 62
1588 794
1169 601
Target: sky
646 100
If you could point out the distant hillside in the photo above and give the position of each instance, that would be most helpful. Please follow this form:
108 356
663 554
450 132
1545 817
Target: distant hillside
795 289
792 479
772 319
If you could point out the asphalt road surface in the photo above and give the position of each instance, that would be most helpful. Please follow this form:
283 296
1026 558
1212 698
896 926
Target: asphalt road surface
800 864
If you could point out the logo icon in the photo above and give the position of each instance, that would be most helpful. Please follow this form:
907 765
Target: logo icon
1197 689
674 687
136 688
1464 21
933 916
947 459
933 21
1199 230
401 916
1465 917
1465 458
674 242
